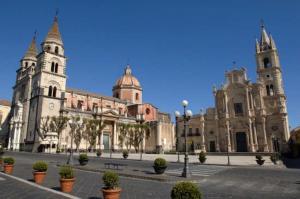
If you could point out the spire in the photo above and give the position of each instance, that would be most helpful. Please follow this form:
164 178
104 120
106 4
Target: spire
272 42
32 50
54 34
257 48
264 40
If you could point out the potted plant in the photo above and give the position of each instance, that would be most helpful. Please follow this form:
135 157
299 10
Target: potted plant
66 178
259 159
185 190
40 168
99 153
83 159
8 165
125 154
160 165
202 157
111 189
274 158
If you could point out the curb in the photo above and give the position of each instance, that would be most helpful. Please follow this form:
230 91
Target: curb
40 187
122 174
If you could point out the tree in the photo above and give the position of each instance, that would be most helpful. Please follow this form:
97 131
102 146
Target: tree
140 132
58 124
78 136
91 133
99 123
124 135
44 127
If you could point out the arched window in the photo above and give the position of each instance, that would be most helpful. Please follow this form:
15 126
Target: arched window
52 67
50 91
267 63
56 49
56 67
33 64
54 91
271 90
136 96
26 64
148 111
48 48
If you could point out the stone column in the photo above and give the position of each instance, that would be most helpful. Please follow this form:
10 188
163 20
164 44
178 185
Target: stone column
254 135
228 137
286 130
11 128
115 141
266 147
158 138
203 148
252 149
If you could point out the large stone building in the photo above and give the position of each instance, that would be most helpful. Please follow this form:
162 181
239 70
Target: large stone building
4 124
40 91
247 116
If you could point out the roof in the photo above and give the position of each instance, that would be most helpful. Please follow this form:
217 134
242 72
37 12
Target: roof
32 50
82 92
4 102
127 79
54 34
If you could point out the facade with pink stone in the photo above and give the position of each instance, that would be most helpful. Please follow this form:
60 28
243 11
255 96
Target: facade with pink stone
40 91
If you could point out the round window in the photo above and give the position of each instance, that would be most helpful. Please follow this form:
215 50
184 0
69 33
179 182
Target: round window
147 111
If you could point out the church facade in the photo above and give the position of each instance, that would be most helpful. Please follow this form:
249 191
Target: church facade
247 116
40 91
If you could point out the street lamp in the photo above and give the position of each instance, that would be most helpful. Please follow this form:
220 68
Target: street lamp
140 119
187 114
73 125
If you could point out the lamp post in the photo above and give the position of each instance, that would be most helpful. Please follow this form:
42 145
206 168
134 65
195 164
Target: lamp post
73 125
187 114
140 119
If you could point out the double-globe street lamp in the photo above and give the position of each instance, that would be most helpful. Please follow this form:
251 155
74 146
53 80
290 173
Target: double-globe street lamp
74 124
187 114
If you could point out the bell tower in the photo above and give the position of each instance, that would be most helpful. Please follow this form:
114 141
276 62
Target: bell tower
269 75
49 83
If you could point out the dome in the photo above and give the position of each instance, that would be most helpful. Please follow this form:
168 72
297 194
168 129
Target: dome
127 79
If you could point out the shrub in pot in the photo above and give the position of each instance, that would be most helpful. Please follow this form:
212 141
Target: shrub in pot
202 157
125 154
111 189
39 173
185 190
83 159
66 178
8 164
259 160
160 165
99 153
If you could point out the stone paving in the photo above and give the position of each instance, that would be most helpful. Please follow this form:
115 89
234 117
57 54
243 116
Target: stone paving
234 182
13 189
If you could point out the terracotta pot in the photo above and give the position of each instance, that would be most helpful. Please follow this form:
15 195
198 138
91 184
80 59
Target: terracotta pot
66 185
8 168
111 193
159 170
39 177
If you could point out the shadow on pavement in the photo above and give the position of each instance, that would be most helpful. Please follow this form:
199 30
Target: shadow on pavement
56 188
292 163
94 198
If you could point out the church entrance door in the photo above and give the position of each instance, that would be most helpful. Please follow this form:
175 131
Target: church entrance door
106 141
241 142
212 146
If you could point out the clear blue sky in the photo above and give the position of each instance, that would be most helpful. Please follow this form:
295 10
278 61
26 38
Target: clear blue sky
177 49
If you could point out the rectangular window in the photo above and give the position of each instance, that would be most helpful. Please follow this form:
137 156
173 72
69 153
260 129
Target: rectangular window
197 131
238 109
80 104
190 131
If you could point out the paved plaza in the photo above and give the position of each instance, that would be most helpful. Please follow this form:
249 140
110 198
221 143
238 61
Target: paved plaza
215 181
